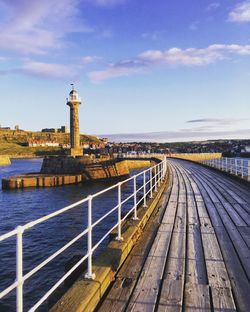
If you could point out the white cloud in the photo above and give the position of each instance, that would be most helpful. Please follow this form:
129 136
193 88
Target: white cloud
172 57
241 13
37 26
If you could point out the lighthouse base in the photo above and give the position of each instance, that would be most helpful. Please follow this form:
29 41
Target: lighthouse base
76 152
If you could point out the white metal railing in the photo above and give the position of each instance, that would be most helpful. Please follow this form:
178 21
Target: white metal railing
235 166
139 155
152 179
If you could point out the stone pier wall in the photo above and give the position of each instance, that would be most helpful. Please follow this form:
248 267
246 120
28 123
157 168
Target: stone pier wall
93 169
68 170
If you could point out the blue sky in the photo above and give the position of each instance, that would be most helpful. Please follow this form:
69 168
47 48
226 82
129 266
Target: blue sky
146 70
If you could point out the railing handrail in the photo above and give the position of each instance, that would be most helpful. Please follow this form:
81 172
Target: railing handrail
235 166
153 182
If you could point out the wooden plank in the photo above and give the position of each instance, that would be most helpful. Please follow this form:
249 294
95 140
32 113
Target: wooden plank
238 279
171 296
222 300
236 218
245 233
243 213
197 298
195 270
216 269
146 291
117 297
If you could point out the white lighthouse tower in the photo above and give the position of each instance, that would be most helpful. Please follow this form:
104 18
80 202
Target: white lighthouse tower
73 102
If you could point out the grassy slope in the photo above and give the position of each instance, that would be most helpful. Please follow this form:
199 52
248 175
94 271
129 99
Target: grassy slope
14 149
12 145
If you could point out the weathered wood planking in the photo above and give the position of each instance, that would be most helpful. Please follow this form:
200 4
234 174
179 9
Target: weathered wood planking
146 291
171 295
197 298
239 281
199 260
119 294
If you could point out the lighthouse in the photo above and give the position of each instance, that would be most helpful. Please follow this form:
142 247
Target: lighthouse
73 102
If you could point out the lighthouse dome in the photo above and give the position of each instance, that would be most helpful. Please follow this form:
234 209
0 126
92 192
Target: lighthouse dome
73 96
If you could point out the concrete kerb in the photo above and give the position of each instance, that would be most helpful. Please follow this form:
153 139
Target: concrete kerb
84 295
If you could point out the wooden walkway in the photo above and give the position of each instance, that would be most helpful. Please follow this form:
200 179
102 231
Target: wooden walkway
195 255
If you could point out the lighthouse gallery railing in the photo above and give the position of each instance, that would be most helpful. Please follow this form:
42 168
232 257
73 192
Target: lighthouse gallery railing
152 179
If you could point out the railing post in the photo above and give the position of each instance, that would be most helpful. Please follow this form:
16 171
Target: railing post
135 200
155 179
162 171
89 274
236 167
119 210
242 168
151 183
19 269
248 170
159 175
144 190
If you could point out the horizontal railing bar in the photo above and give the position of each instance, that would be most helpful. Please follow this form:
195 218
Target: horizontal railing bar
139 189
102 239
140 200
8 289
105 190
58 252
53 214
128 213
8 235
156 175
105 216
126 199
58 284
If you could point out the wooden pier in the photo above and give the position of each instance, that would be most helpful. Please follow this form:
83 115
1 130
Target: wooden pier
195 254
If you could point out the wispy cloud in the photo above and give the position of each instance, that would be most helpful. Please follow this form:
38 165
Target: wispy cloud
241 13
218 121
48 70
213 6
154 35
179 135
194 25
106 3
44 70
88 59
120 69
171 57
37 26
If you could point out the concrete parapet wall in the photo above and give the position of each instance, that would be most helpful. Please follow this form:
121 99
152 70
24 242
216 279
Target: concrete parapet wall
197 156
84 295
4 160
